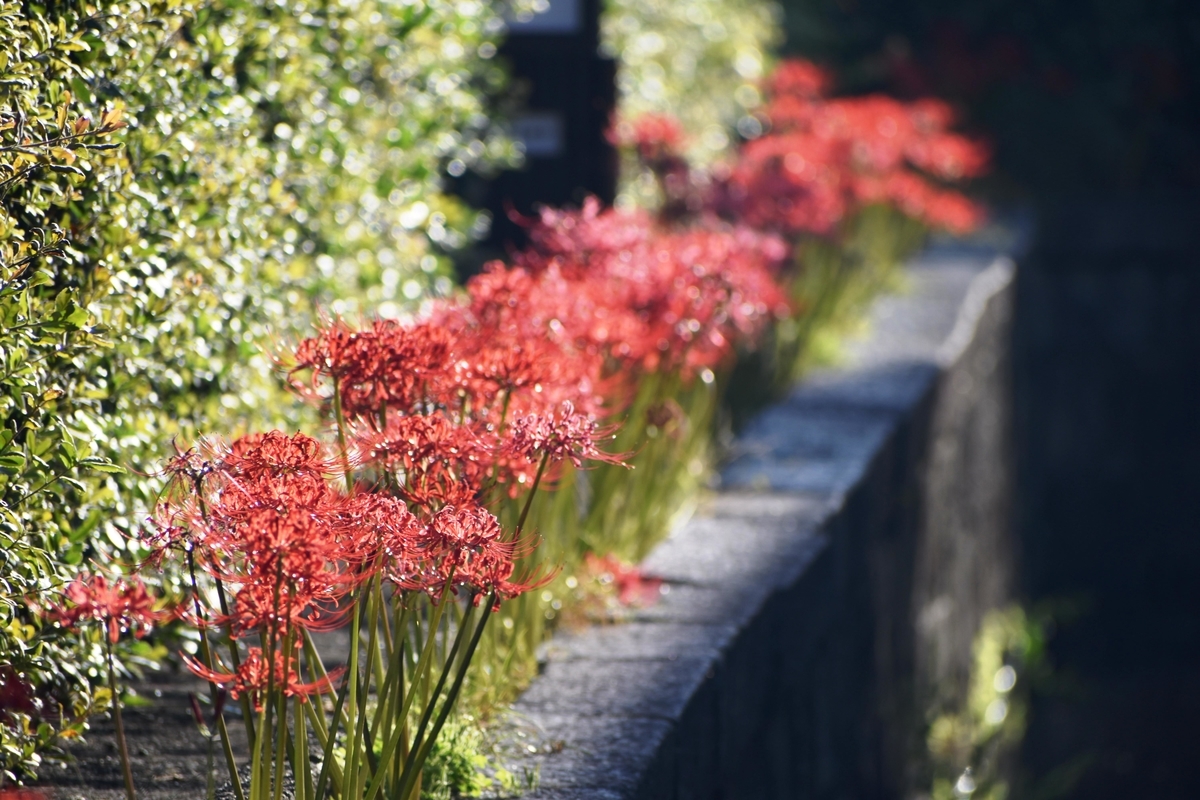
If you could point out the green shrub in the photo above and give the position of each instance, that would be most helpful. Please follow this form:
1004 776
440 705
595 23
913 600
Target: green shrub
455 764
275 156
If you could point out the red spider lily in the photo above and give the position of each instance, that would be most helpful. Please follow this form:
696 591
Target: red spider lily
505 364
490 572
435 461
190 464
657 139
122 605
270 526
252 677
477 556
173 523
377 525
262 604
387 366
286 538
590 230
560 436
168 530
825 157
654 136
464 528
21 793
918 199
722 291
275 467
275 455
269 471
787 182
521 344
650 298
634 588
798 78
288 476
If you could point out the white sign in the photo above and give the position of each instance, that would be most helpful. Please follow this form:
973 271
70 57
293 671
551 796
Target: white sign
559 17
541 132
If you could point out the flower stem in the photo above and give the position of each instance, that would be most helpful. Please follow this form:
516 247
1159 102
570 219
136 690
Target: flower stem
281 732
532 491
235 658
421 750
122 745
327 766
206 654
340 419
423 665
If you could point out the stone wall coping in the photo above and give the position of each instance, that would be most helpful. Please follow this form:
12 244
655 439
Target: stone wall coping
636 709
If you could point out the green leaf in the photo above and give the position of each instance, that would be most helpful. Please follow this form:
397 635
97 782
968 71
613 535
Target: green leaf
74 483
12 463
97 465
77 318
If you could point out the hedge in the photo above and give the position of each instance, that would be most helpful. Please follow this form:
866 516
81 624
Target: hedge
181 185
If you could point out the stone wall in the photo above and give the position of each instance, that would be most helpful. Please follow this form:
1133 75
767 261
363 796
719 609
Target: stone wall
827 592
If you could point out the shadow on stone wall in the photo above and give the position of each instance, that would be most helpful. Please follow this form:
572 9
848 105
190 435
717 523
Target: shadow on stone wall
1108 395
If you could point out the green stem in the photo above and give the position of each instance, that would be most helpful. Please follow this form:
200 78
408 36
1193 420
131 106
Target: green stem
422 667
352 704
417 759
281 732
388 695
210 783
427 714
264 755
361 730
327 766
301 770
122 745
532 491
206 653
257 789
340 419
316 668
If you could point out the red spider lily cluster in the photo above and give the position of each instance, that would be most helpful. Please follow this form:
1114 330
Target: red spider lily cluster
437 419
252 677
122 605
270 520
824 157
646 298
484 397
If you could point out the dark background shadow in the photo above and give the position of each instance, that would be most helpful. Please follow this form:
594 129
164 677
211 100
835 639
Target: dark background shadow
1094 112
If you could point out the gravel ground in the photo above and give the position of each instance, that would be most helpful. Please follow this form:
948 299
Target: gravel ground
167 752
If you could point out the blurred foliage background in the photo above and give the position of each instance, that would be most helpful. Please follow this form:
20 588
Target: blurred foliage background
182 184
1078 96
701 61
